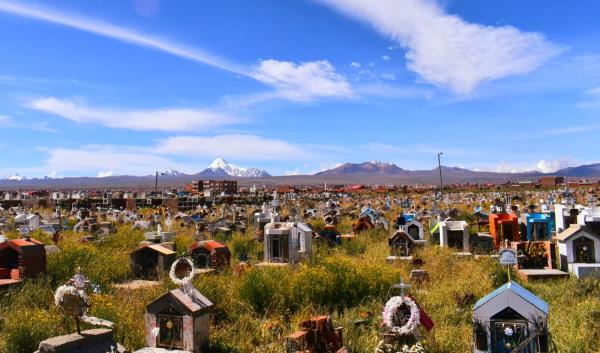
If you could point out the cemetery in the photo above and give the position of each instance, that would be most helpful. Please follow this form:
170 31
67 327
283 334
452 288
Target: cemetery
385 291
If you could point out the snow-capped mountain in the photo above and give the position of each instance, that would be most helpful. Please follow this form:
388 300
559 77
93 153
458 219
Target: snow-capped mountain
220 167
14 176
172 172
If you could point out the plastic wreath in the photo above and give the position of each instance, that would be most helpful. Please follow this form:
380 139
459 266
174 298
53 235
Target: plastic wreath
383 347
391 310
69 290
186 279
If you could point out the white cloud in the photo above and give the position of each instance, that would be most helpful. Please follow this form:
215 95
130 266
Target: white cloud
447 51
241 147
389 77
6 121
355 65
543 166
100 158
120 33
168 119
108 173
292 172
303 81
385 57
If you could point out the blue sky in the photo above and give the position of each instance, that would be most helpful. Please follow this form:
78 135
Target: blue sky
128 87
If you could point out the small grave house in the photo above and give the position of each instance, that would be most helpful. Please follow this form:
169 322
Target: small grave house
178 321
414 228
510 319
455 234
150 260
539 226
579 250
210 254
287 242
21 259
402 245
504 226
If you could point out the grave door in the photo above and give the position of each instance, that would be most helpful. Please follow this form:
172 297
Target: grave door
506 230
413 231
455 239
509 329
539 231
170 335
583 249
276 249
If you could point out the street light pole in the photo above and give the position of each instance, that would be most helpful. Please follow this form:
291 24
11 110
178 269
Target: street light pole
440 167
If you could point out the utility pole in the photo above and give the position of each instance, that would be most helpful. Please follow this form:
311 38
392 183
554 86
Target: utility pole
156 183
440 167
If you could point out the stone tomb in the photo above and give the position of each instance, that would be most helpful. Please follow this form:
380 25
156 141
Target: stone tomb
579 250
510 319
95 340
178 321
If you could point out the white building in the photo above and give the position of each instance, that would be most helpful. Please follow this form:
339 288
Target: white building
579 250
287 243
455 234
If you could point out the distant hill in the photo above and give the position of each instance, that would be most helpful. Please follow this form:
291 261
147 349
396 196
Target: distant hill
583 171
350 173
374 168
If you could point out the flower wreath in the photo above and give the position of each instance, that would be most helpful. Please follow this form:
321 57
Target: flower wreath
67 289
392 307
186 279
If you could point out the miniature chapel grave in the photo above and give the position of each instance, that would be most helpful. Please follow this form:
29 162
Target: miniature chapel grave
21 259
286 243
579 250
148 262
510 319
209 255
178 321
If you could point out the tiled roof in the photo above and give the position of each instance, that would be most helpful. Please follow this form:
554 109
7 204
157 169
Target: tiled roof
518 290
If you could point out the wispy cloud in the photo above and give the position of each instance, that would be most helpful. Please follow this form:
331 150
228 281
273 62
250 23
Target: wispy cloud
102 158
447 51
9 122
297 82
241 147
166 119
304 81
120 33
592 98
543 166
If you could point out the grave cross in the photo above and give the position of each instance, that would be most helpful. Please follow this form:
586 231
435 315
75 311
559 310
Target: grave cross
402 286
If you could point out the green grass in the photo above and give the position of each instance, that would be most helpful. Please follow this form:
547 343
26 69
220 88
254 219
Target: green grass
256 310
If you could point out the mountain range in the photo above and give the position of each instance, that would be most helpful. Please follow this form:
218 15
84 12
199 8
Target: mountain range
373 172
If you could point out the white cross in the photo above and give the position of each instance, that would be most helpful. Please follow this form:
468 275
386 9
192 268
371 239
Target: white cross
402 286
